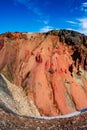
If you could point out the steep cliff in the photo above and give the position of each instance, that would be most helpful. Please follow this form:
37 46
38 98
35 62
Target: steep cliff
50 67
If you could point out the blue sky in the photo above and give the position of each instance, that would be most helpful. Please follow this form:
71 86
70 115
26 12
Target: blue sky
43 15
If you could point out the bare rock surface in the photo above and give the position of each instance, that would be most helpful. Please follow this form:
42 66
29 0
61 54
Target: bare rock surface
43 74
50 67
13 98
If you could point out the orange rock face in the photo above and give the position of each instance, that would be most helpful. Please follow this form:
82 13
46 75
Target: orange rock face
52 72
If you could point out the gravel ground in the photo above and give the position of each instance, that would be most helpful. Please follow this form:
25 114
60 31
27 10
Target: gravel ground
9 121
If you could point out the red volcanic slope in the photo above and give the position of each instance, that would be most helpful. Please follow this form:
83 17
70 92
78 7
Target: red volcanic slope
51 71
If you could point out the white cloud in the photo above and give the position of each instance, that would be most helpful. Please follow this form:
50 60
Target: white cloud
46 21
46 29
83 25
69 29
84 7
84 4
71 22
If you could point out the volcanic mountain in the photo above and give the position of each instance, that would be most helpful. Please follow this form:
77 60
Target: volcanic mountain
43 73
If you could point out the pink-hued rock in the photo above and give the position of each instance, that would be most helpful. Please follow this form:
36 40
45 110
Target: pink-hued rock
49 71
